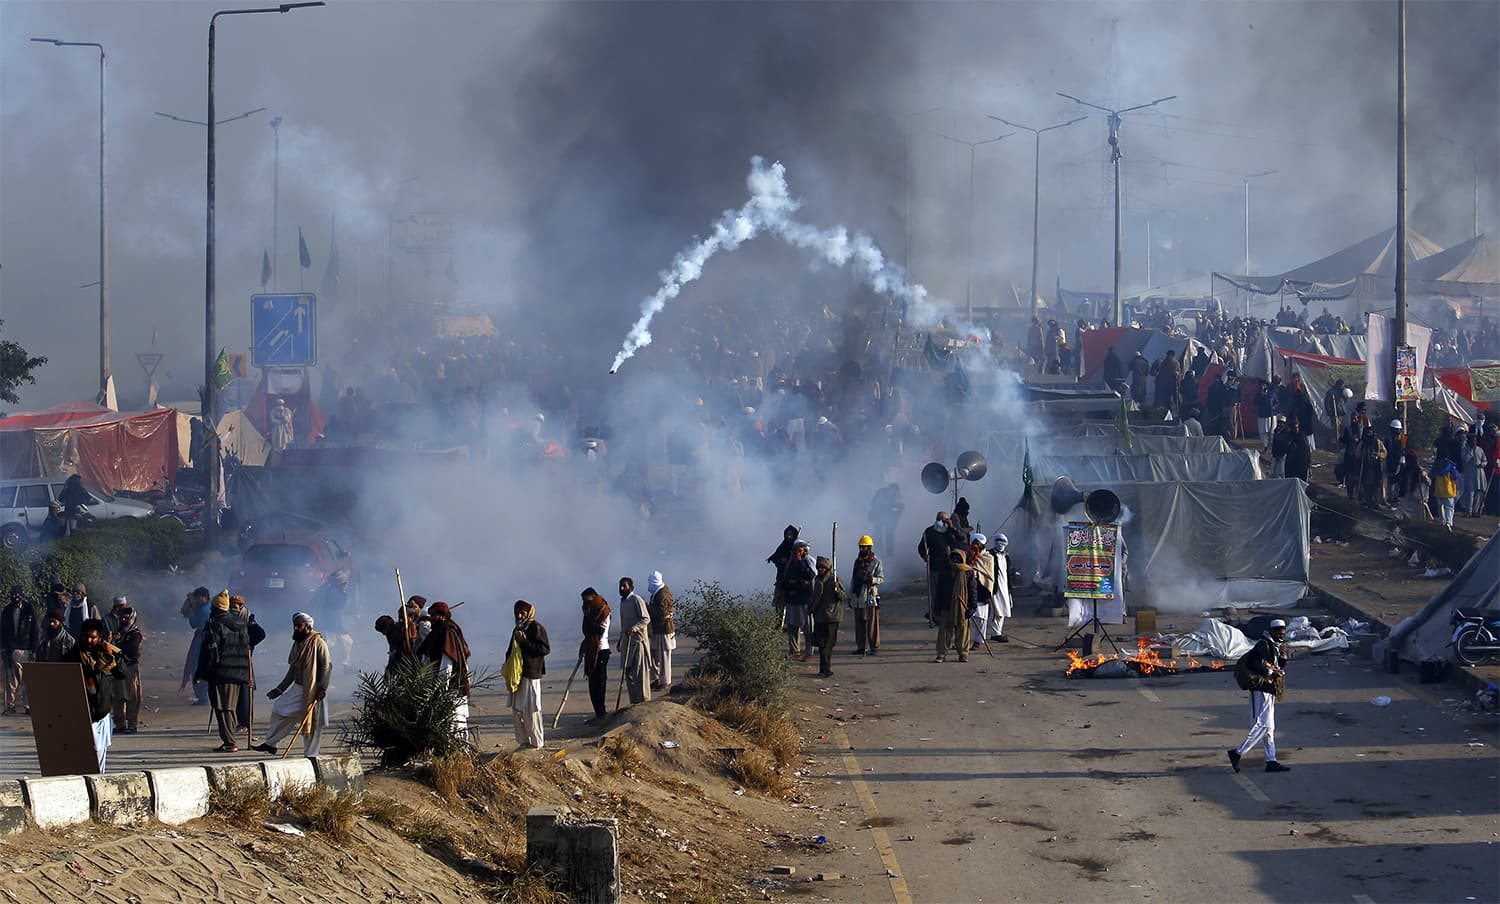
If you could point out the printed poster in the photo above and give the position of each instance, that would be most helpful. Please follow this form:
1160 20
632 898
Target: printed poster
1484 383
1091 552
1407 387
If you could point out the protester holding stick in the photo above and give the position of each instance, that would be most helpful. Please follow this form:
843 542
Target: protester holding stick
635 624
301 695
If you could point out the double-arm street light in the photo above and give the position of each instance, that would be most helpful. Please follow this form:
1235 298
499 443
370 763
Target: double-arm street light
969 275
210 392
103 221
1036 189
198 122
1247 214
1114 159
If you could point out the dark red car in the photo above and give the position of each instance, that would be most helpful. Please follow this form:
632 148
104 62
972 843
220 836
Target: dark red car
284 569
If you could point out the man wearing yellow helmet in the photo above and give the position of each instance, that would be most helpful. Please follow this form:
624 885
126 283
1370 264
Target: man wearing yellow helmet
864 598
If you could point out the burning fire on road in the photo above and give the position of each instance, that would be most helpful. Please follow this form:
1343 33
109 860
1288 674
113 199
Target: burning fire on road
1144 661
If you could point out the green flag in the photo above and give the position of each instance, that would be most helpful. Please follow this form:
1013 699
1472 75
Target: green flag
222 376
1027 476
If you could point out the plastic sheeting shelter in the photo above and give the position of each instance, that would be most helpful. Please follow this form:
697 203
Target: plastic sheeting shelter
110 450
1240 464
239 438
1011 447
1191 545
1425 636
1336 274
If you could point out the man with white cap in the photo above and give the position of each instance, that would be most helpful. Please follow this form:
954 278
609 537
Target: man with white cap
1001 604
282 431
300 696
981 589
1262 672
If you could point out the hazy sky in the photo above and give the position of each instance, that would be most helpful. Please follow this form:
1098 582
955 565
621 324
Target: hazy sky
579 145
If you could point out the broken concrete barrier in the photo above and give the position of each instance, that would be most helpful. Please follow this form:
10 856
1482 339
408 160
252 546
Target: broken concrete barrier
288 773
120 798
579 856
236 775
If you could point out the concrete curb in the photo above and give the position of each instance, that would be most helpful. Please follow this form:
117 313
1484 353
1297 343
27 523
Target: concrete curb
1461 675
170 796
179 795
61 800
120 798
12 808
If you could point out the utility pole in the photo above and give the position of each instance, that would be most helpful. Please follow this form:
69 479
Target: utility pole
1114 120
1247 214
104 371
276 205
969 270
1036 189
1399 240
210 391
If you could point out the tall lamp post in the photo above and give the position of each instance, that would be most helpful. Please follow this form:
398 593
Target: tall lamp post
969 274
390 197
1114 159
1247 214
210 391
103 221
1036 189
276 205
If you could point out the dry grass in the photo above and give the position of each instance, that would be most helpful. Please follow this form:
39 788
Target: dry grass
244 804
770 728
621 754
385 810
321 810
758 772
451 772
530 887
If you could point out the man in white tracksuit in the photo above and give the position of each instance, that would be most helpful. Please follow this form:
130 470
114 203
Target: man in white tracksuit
1262 672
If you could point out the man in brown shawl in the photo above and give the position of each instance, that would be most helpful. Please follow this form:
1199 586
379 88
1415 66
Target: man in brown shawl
953 623
594 650
100 661
445 646
300 697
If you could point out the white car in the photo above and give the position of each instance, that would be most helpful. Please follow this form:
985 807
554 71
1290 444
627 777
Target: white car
25 502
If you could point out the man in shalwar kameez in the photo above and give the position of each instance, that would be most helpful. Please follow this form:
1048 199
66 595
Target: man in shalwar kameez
1000 605
304 688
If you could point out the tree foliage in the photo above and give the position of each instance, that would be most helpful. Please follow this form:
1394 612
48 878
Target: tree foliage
405 713
15 368
741 647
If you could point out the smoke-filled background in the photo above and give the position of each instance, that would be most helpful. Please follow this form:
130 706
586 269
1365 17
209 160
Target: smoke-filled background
577 147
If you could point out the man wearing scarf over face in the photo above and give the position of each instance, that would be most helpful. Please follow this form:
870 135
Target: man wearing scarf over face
304 688
594 650
526 701
663 610
981 589
864 598
100 669
635 640
416 623
934 551
445 646
953 619
127 635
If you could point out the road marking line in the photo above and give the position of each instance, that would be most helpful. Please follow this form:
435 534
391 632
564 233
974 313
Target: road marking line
1363 899
872 815
1149 694
1249 787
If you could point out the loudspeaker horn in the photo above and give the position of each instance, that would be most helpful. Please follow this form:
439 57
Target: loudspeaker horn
935 477
1065 495
1103 506
971 466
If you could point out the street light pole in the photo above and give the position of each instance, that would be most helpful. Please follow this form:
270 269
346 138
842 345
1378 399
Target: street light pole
1247 223
276 205
210 391
1399 241
969 275
104 372
1114 159
390 191
1036 189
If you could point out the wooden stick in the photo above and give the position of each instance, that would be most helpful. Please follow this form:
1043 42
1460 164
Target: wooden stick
303 724
250 707
566 691
401 592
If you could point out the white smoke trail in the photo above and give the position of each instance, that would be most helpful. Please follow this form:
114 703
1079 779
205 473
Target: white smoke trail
770 209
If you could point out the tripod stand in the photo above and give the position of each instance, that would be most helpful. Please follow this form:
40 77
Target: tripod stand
1093 622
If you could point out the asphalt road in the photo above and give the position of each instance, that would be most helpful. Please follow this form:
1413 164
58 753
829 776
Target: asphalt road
1001 780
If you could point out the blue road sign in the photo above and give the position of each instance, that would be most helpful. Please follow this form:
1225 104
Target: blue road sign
283 330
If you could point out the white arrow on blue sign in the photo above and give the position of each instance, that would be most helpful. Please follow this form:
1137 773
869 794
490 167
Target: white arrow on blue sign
284 330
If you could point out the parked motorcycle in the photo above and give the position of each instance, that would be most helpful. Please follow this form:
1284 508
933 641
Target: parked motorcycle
1476 635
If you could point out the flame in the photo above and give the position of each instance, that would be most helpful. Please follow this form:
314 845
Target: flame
1145 660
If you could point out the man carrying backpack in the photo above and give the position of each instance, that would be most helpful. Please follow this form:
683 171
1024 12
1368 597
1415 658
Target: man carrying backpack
1262 672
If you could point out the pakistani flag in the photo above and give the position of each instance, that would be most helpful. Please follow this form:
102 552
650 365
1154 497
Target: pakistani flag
1028 480
222 376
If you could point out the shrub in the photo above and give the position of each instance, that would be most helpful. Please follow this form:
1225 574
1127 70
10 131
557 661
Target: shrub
450 772
244 804
757 772
405 713
740 645
321 810
770 728
104 556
